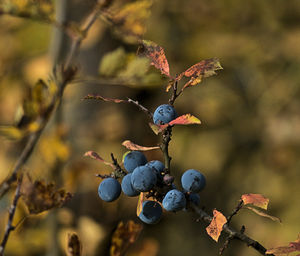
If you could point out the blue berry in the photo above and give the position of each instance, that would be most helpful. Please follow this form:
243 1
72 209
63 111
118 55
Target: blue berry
109 189
127 188
157 166
164 114
151 212
193 181
174 200
134 159
143 178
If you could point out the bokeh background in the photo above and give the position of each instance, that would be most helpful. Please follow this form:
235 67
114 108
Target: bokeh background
248 142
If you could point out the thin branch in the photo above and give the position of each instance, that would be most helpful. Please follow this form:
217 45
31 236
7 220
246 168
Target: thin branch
68 73
119 172
12 210
166 138
174 93
239 235
235 211
148 112
225 245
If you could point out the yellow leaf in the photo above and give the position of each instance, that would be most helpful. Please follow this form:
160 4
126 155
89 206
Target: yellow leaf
139 207
112 62
130 19
11 132
123 237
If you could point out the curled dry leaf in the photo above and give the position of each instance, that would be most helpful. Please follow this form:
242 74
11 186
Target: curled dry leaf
123 237
39 196
262 213
74 245
202 69
216 226
285 250
156 55
256 199
155 128
181 120
131 146
99 97
94 155
141 200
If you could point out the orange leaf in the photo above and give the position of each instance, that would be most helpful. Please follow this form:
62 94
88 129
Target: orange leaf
99 97
216 226
197 72
123 237
157 56
94 155
140 203
256 199
130 145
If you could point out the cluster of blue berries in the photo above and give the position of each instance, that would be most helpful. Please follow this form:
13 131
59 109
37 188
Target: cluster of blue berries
152 178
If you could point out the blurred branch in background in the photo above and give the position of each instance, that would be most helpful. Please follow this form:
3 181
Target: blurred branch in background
62 77
12 210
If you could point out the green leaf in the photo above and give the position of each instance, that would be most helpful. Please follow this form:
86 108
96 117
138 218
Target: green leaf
113 62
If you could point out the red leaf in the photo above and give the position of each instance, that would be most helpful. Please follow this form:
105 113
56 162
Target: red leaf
292 247
181 120
157 56
216 226
256 199
280 250
130 145
99 97
197 72
185 120
94 155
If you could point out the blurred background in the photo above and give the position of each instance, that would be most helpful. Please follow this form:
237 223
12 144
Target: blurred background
248 142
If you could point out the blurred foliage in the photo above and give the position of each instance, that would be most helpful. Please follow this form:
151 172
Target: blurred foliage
248 142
